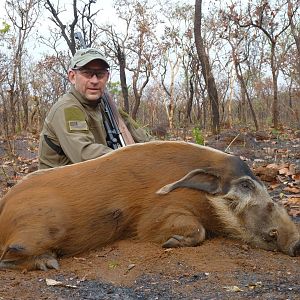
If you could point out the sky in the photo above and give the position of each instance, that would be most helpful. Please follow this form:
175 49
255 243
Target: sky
106 13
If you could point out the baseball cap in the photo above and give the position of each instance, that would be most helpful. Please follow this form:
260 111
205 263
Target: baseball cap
84 56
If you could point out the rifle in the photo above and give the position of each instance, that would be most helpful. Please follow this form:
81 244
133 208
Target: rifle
114 136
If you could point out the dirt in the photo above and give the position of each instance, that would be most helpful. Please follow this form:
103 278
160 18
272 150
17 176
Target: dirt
219 269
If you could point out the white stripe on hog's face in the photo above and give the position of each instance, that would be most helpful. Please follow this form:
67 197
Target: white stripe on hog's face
246 210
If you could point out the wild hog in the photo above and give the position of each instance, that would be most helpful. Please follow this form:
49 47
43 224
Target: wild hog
172 193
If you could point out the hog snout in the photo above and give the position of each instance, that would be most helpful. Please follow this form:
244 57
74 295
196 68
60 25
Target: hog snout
295 250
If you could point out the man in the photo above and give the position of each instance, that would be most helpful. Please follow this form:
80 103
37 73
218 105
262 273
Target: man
74 128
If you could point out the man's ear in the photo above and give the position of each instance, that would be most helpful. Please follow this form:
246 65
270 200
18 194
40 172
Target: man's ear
71 76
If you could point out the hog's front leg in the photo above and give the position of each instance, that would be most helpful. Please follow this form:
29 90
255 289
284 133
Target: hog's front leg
187 231
192 239
172 229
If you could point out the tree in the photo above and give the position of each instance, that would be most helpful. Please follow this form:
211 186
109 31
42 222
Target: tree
115 48
292 9
133 48
83 20
272 23
46 87
23 16
239 42
176 46
206 69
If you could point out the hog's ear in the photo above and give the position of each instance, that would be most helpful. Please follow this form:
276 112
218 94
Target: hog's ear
198 179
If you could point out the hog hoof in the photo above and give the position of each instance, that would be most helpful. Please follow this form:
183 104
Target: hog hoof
194 238
174 242
44 262
185 241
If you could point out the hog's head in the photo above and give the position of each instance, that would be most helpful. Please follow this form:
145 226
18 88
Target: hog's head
244 206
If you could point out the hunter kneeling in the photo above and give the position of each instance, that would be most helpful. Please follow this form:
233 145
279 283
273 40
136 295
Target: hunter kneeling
84 123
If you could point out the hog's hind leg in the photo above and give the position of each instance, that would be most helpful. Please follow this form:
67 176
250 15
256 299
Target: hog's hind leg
40 262
19 256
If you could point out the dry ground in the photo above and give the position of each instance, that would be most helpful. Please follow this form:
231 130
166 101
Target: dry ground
218 269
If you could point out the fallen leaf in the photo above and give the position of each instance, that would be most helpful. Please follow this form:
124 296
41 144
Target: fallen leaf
290 189
52 282
233 288
252 286
273 186
80 258
293 169
285 171
273 166
266 174
130 267
294 200
294 212
296 177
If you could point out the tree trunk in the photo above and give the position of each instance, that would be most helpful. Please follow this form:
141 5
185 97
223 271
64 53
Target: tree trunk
190 100
296 35
206 69
124 87
244 90
275 88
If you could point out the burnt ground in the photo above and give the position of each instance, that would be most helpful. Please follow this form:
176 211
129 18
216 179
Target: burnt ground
218 269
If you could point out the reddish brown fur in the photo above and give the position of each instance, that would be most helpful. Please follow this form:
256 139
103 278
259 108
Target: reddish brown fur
72 209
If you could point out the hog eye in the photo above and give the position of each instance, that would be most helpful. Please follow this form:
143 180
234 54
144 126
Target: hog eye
246 185
273 233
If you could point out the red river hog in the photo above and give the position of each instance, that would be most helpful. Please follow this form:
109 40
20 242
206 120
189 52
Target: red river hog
172 193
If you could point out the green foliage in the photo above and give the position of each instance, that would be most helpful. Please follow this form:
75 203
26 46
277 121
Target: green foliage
114 88
198 136
113 264
5 28
275 132
279 135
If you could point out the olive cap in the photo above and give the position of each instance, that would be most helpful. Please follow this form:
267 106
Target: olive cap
84 56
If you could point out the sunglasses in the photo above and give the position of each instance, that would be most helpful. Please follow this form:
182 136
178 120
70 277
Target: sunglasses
89 73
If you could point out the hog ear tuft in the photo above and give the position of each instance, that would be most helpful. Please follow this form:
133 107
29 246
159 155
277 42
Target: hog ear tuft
197 179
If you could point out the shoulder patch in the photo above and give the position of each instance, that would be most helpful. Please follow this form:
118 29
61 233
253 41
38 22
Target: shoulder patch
75 119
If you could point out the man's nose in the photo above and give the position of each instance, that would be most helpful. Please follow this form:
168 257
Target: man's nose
94 78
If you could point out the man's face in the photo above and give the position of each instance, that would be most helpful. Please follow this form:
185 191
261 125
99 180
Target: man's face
90 80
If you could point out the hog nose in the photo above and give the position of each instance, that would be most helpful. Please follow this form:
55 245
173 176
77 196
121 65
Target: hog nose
296 249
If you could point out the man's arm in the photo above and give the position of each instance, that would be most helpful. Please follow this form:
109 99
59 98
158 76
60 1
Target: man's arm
139 134
74 135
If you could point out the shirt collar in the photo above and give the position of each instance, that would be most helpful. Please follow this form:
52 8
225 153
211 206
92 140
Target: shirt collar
83 99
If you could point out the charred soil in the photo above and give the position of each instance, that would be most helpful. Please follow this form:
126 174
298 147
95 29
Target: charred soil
218 269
